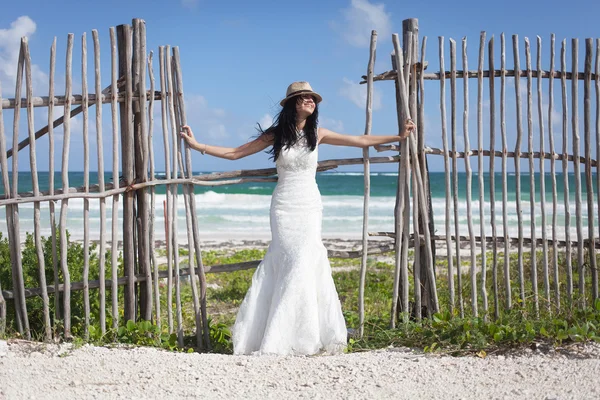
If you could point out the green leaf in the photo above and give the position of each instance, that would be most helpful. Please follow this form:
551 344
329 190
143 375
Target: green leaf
130 325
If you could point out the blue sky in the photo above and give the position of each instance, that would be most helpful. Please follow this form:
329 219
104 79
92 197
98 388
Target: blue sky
239 56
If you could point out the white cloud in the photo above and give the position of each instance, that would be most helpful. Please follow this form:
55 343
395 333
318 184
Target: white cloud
359 19
333 124
206 121
357 94
10 44
190 4
266 121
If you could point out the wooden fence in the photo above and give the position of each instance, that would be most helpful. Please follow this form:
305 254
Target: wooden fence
562 257
132 110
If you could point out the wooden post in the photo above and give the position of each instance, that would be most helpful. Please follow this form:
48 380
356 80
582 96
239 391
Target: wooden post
141 164
127 146
65 182
36 192
152 221
455 173
553 174
86 185
469 183
492 172
202 328
577 167
565 167
412 25
115 167
6 189
507 283
170 190
402 206
543 174
587 128
100 150
447 181
53 225
367 188
532 205
517 69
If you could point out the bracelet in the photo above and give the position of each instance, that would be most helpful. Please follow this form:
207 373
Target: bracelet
203 152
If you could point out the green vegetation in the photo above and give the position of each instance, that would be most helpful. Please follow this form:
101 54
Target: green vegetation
443 332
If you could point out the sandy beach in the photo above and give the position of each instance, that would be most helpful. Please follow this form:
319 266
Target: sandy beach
41 371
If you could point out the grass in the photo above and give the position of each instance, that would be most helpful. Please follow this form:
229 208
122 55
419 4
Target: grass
552 322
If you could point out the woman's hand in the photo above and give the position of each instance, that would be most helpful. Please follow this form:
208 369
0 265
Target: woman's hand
409 127
187 134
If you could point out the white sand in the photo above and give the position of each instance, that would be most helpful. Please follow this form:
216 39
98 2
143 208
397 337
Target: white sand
38 371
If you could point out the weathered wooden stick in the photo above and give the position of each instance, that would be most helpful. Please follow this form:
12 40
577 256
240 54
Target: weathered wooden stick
543 177
13 221
142 171
553 174
492 173
565 168
73 99
532 205
490 239
391 75
424 215
497 153
507 283
202 328
86 186
169 219
518 167
65 181
577 170
455 171
176 152
124 36
6 189
53 225
401 207
152 224
36 212
587 121
115 169
421 129
367 186
100 151
57 122
597 81
450 257
220 268
406 101
469 184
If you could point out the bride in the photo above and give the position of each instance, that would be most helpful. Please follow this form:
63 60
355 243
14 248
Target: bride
292 307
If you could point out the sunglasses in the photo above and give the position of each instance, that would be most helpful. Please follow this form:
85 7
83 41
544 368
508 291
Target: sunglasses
307 97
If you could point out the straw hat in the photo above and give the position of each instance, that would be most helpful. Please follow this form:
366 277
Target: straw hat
298 88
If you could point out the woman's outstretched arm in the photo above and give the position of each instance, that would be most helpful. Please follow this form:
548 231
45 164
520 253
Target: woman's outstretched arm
337 139
229 153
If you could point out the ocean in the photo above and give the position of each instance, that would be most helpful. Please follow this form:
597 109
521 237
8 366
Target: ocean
242 211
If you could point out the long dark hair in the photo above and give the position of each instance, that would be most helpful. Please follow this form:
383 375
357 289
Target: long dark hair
284 131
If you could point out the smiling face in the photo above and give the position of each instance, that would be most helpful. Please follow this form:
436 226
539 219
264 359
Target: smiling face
305 105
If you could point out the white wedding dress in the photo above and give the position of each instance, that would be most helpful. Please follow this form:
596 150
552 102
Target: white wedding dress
292 307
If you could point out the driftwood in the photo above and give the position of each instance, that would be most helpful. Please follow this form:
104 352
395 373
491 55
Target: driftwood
391 75
492 175
367 186
532 205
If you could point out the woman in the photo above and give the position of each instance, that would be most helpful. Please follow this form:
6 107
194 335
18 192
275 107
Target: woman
292 306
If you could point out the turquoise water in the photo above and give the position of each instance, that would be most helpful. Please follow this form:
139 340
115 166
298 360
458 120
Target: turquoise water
243 210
